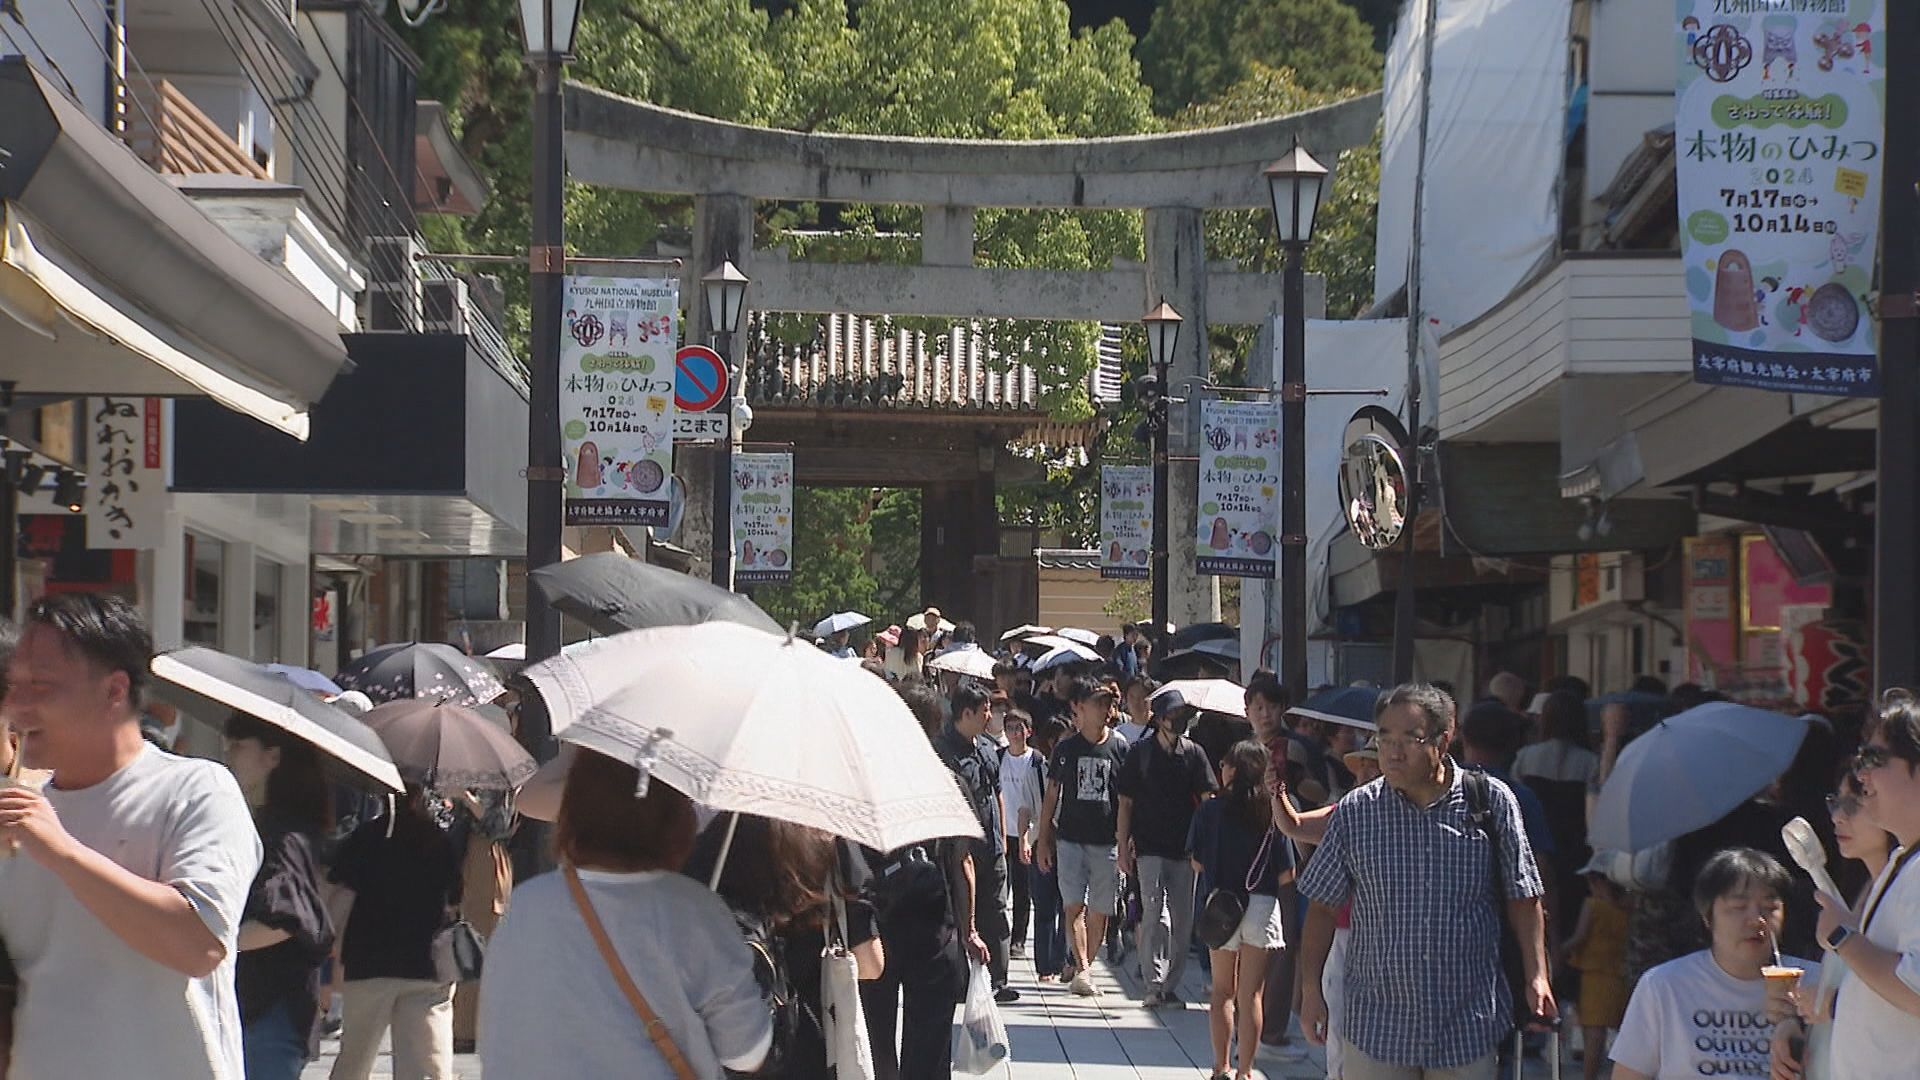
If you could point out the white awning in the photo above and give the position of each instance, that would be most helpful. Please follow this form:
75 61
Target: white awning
65 332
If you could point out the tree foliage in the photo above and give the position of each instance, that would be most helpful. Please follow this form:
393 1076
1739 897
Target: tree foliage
833 532
1194 50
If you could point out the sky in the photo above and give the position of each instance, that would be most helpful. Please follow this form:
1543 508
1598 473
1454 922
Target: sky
1096 12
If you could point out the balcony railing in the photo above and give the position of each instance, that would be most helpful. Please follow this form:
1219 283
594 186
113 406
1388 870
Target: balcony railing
170 133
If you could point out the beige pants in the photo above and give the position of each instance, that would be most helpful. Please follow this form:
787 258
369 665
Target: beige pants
419 1011
1358 1066
487 877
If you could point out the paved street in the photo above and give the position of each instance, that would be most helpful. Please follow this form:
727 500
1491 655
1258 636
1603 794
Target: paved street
1057 1036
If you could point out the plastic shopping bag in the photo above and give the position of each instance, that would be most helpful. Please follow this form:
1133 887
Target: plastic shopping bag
980 1039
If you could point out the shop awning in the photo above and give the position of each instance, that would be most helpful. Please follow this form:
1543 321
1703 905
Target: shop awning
86 218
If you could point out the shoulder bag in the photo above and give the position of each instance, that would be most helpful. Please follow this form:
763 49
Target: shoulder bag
843 1019
655 1027
1479 791
1220 916
458 952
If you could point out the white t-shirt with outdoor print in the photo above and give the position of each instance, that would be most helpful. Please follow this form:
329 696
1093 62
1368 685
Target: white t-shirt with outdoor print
89 1004
1688 1018
1874 1039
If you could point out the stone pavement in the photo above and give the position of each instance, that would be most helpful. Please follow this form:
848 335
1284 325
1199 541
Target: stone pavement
1057 1036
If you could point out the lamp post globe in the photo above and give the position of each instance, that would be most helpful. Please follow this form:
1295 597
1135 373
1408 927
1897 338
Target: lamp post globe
725 293
726 289
1295 183
547 27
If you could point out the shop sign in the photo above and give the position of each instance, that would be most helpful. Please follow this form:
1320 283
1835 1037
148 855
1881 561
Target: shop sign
762 519
616 398
1126 522
1239 485
126 500
1780 135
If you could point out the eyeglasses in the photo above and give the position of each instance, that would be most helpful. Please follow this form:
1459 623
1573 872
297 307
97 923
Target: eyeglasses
1843 805
1869 758
1395 744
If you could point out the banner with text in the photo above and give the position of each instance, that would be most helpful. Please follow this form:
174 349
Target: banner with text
616 398
1126 522
762 519
126 496
1779 134
1239 482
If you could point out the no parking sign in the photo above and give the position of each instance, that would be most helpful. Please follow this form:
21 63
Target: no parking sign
699 379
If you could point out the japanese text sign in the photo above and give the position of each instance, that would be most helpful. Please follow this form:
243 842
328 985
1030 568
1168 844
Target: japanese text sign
616 398
126 499
1239 482
762 518
1779 134
1126 521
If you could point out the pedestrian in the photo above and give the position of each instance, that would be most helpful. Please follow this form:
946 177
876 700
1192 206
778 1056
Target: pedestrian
1876 1021
1023 781
782 880
975 762
907 660
1137 701
1558 770
286 934
399 884
838 644
1706 1013
1266 705
1426 996
1163 781
1078 825
1124 654
122 881
1489 737
483 823
1597 949
555 997
1049 927
1232 841
1508 689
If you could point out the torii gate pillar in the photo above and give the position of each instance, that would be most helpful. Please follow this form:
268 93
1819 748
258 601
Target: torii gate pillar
1177 273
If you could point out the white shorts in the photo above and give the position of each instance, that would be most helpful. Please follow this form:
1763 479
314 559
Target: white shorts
1259 927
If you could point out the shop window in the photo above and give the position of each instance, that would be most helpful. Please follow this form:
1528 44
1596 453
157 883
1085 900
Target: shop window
205 557
266 611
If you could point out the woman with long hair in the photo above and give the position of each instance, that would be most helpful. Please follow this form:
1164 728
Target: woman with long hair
907 660
1235 847
785 877
615 930
285 934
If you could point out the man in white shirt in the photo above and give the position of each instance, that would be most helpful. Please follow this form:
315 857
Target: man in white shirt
1022 782
1876 1018
129 871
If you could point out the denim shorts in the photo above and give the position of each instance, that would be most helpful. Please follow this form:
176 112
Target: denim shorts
1088 876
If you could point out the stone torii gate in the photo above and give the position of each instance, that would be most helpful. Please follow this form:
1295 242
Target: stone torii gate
1173 178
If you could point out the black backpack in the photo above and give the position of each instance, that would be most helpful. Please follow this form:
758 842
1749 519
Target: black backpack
1479 791
792 1019
913 907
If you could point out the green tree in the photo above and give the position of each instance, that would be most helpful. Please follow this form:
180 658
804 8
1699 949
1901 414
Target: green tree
1195 49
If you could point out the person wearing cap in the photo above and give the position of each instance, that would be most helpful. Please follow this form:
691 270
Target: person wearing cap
1597 948
1162 782
1079 824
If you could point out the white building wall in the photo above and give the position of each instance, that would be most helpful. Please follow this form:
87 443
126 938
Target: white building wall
65 44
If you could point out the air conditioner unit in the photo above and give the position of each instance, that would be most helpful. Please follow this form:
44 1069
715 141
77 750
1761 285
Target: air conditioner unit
393 283
443 306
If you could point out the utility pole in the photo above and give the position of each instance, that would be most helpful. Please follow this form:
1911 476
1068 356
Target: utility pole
1896 570
1405 611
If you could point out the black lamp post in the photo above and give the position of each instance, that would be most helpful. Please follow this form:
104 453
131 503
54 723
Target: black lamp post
1295 182
547 28
1163 333
726 296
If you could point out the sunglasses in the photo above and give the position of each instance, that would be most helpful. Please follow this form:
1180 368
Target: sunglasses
1843 805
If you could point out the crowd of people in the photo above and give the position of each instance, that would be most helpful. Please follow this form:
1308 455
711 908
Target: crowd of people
1414 886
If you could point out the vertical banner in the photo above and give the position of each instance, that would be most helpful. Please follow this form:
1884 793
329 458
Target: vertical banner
1239 488
1126 522
1779 135
616 398
762 519
126 499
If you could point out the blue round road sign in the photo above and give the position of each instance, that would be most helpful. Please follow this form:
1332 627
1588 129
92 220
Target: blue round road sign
699 378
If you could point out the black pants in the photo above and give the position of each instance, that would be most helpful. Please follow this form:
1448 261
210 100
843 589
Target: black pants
990 910
1019 873
926 1029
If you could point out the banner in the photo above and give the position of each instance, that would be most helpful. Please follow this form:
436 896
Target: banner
1779 136
1126 522
616 398
762 519
1239 487
126 497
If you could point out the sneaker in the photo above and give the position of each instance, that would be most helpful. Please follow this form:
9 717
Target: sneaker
1017 950
1172 1000
1068 970
1006 995
1153 1000
1082 985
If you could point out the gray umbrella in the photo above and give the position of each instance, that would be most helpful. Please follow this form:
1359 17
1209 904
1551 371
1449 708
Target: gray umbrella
450 747
207 682
1688 771
612 593
422 669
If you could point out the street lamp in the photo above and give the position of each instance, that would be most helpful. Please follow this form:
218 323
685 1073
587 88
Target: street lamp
547 28
1295 182
1163 333
726 295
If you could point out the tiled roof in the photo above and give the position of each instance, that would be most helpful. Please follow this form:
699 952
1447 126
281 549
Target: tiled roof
1067 558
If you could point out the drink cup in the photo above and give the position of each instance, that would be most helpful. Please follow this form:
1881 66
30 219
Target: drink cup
1782 975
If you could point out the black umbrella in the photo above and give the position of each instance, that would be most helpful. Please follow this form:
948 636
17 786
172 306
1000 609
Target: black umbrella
422 669
612 593
450 747
207 681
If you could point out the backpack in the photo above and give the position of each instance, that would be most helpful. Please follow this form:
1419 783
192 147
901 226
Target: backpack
913 909
1479 792
792 1020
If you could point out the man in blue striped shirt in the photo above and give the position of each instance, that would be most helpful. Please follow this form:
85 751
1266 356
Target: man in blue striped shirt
1426 997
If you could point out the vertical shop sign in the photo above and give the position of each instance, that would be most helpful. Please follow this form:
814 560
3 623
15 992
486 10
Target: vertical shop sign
616 398
1126 521
126 498
1779 136
762 519
1239 481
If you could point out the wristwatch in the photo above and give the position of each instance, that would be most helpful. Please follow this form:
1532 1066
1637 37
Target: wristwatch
1837 937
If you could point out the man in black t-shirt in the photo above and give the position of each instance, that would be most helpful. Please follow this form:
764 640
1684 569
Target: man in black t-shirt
974 759
1078 823
1162 782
